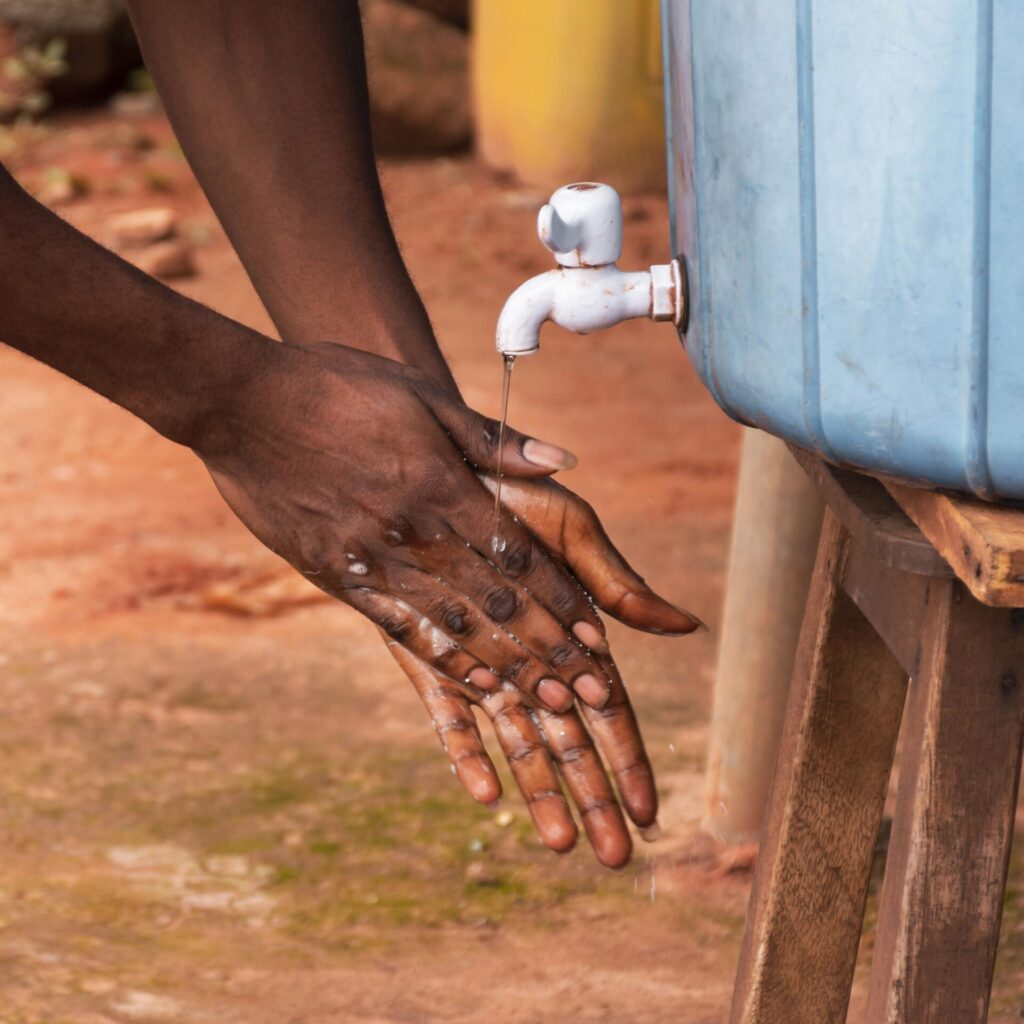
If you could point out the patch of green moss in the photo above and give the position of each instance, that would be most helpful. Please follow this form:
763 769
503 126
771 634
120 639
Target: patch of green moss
1008 983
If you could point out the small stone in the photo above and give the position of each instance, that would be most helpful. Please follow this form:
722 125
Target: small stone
504 818
167 260
60 186
143 227
147 1006
481 874
232 865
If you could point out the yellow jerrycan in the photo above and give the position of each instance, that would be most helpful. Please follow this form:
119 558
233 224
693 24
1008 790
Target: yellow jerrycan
570 89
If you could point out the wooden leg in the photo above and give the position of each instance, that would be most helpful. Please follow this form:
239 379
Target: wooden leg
842 719
943 891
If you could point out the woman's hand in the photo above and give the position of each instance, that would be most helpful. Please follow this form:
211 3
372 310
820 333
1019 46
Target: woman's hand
540 747
358 471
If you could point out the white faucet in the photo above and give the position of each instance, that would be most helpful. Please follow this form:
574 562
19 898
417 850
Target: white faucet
582 226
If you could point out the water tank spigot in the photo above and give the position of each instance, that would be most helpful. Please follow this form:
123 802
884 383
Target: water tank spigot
582 226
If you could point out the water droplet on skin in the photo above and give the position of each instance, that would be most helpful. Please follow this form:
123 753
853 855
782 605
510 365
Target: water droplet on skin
358 568
440 643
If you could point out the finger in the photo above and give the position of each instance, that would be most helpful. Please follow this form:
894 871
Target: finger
404 624
588 785
484 444
454 724
500 623
532 768
617 733
568 526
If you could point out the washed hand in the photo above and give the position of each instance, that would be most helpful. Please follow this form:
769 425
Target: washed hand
541 746
358 471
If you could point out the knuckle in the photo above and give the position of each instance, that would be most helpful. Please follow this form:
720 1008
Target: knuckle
515 669
634 768
615 713
562 654
511 719
594 807
456 618
517 558
448 658
396 627
490 432
501 604
565 601
522 750
574 753
540 795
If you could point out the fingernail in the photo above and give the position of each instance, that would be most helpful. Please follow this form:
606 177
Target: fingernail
482 678
693 624
590 636
550 456
555 695
591 689
651 834
656 615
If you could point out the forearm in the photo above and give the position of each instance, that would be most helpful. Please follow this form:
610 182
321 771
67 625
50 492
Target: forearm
79 308
269 102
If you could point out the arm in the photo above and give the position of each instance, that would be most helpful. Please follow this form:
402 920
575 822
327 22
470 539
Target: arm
70 303
269 102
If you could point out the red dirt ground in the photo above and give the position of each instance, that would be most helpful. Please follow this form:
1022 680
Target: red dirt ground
221 800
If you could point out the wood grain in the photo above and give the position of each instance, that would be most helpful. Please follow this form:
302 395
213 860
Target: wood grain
953 825
984 544
871 515
803 927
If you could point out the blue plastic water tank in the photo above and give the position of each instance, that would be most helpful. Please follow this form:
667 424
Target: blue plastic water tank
848 192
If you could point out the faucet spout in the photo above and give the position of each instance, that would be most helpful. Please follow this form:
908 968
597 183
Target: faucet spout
527 308
580 299
582 225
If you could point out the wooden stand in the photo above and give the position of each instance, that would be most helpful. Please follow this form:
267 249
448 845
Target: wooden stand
907 584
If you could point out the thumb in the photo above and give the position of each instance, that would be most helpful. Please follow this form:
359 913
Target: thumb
481 438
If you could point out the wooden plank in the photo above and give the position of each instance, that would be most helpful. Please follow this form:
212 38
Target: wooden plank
846 700
943 893
893 601
871 515
984 544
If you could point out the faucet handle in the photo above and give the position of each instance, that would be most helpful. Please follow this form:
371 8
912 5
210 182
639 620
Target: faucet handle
582 225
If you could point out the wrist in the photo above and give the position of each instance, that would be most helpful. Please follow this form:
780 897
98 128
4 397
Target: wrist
202 373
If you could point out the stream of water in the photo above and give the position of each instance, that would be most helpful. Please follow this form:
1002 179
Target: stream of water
506 383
